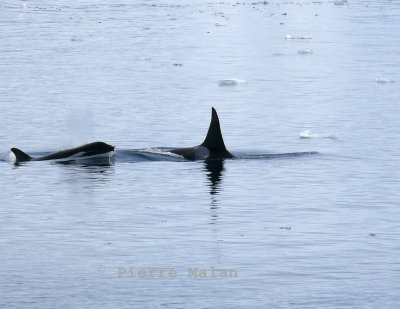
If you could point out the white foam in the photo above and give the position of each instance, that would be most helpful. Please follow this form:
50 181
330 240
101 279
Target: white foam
158 151
9 157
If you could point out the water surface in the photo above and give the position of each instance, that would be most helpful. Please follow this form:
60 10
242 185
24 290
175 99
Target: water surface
318 231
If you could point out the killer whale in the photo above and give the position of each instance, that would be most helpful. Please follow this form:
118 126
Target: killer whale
87 150
213 146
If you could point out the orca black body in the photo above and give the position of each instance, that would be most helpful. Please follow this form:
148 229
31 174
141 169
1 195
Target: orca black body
87 150
213 146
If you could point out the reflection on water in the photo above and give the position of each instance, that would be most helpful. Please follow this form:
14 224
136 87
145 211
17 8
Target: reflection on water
59 222
83 163
86 174
88 162
214 169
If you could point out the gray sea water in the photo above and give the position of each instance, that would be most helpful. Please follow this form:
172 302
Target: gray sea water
314 231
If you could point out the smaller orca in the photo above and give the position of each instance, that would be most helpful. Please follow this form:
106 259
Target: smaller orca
213 146
87 150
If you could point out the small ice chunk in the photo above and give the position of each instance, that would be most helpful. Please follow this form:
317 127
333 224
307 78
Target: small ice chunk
230 82
143 59
308 134
292 37
383 80
339 2
219 25
305 51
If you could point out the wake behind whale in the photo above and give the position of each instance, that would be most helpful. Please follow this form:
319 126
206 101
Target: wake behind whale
166 154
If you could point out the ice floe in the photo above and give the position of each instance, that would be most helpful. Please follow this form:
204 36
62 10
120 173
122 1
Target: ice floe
308 134
384 80
230 82
305 51
292 37
339 2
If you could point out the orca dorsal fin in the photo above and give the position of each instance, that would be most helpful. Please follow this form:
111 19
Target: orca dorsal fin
214 140
20 155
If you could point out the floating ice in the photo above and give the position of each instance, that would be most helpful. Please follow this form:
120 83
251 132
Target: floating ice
308 134
383 80
230 82
292 37
339 2
305 52
143 59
